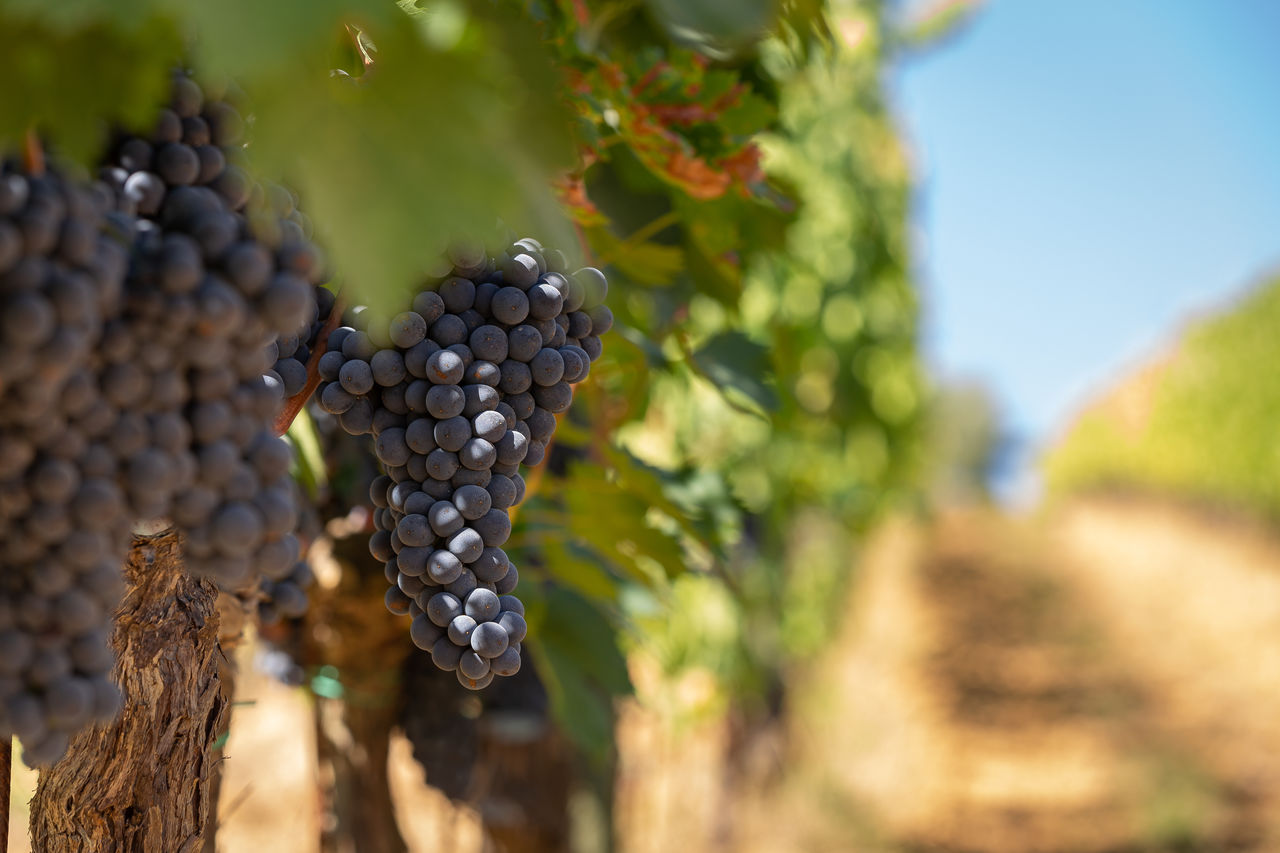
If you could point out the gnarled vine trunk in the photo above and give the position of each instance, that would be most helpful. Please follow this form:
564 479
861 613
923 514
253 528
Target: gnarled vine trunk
349 629
142 783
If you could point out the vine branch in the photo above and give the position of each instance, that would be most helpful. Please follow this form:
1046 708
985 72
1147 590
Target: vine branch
33 153
294 404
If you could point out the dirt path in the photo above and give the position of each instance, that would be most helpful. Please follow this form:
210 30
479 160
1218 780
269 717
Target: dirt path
985 700
1192 604
1106 680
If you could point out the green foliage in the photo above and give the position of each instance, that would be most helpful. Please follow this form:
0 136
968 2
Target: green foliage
752 214
929 23
400 163
965 440
580 662
392 162
734 168
1199 423
73 67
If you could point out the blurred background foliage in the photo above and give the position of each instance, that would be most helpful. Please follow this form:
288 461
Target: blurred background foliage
1196 423
734 168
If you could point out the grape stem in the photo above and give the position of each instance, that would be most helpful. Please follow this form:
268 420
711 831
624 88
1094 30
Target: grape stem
33 153
640 235
294 404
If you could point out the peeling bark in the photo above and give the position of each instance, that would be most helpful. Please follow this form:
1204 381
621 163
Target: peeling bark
142 783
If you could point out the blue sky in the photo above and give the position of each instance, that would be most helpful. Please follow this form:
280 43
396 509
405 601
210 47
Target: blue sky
1091 174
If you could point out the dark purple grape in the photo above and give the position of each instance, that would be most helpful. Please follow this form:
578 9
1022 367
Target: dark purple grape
424 632
488 640
445 401
512 622
489 425
520 271
408 329
445 655
492 565
516 377
507 663
472 501
461 628
445 518
483 606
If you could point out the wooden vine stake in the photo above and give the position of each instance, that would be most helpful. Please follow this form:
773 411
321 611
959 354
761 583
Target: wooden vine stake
142 783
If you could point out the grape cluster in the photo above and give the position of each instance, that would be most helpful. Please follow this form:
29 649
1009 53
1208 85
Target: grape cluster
458 391
63 533
222 271
137 320
286 597
293 351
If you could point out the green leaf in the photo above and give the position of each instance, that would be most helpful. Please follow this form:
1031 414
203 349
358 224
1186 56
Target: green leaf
584 714
248 39
645 262
577 654
432 144
613 522
580 570
715 27
732 360
309 466
71 77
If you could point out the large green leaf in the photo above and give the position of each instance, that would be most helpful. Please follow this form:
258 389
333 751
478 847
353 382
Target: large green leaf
430 144
731 360
577 653
71 75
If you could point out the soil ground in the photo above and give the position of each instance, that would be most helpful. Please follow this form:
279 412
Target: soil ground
1104 679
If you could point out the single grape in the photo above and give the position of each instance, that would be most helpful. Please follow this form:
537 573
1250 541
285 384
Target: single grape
494 527
461 628
448 330
472 501
482 605
492 565
387 368
452 433
443 607
520 271
408 329
445 401
443 567
489 640
523 343
356 377
507 663
445 655
489 425
397 602
509 581
424 632
472 665
445 518
513 624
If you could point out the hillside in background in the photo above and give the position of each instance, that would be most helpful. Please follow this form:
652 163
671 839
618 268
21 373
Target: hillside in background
1197 422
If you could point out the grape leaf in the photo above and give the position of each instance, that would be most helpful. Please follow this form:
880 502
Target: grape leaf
732 360
393 166
70 77
578 657
247 39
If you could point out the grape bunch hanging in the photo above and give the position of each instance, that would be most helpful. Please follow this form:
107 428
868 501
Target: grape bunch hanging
140 317
459 391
